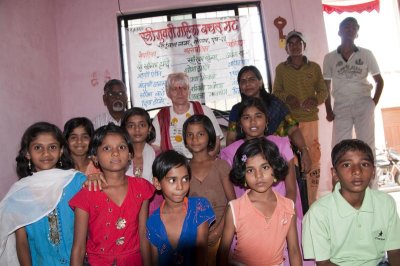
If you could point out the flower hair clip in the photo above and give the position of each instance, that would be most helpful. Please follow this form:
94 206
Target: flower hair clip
244 158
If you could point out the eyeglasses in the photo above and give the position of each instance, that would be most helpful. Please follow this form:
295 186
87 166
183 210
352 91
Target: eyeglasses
249 80
178 88
115 94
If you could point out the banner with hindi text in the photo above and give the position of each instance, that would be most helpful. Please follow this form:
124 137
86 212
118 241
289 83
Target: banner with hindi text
210 51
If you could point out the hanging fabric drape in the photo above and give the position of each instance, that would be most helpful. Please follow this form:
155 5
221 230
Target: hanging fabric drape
341 6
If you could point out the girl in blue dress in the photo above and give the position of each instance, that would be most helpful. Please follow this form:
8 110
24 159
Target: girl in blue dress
34 215
178 230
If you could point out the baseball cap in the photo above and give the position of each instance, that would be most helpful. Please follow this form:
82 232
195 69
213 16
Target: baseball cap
295 33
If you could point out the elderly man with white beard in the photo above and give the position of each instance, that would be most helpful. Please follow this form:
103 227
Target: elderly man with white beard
115 99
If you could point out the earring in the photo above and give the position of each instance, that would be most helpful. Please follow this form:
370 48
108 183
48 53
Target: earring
29 165
275 180
266 130
130 159
60 163
245 183
96 163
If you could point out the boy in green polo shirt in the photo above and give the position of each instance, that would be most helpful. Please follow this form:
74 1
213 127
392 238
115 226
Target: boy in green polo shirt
353 225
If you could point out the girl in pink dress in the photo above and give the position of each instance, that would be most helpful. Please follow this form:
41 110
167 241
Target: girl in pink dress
262 219
110 225
253 123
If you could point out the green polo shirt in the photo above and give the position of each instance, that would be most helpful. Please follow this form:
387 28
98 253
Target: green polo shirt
334 230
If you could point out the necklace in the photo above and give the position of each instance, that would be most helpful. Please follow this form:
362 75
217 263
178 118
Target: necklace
137 171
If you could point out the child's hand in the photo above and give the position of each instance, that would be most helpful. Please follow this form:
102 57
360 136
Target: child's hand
95 180
215 235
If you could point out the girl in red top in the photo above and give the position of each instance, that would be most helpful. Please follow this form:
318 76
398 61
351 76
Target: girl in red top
110 225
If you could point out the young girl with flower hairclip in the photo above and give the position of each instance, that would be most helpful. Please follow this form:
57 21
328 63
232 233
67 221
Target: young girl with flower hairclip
262 219
253 123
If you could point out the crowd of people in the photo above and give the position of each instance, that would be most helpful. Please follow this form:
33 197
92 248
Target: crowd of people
125 190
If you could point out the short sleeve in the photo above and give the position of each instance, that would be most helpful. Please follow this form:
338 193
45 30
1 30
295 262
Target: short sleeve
223 168
81 200
224 156
233 114
316 237
228 153
393 235
153 226
204 211
144 187
277 111
283 145
373 67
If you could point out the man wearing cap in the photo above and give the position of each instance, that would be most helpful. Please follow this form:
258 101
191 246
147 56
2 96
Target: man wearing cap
300 85
115 99
346 69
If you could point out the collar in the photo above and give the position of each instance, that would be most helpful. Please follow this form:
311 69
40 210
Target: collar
355 49
184 206
110 118
289 60
345 209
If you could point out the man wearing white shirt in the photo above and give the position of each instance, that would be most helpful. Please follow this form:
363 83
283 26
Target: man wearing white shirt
115 99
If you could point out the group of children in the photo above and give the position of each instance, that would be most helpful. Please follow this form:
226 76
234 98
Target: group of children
47 218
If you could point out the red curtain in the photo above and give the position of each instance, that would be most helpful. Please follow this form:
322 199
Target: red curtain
348 6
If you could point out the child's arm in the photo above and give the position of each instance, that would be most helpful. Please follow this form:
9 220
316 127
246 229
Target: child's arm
230 195
80 233
226 239
228 188
144 243
293 244
202 244
394 257
325 263
290 182
154 255
23 252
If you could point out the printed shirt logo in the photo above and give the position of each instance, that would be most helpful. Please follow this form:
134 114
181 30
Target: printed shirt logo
379 235
359 62
349 71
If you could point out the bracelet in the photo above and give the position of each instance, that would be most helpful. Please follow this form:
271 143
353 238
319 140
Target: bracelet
305 148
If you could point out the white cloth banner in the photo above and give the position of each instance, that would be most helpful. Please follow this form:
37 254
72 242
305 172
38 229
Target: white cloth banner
210 51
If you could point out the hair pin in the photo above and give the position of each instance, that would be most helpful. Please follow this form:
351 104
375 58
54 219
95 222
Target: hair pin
244 158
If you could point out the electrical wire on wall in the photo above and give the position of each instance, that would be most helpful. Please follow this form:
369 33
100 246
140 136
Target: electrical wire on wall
119 8
291 11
